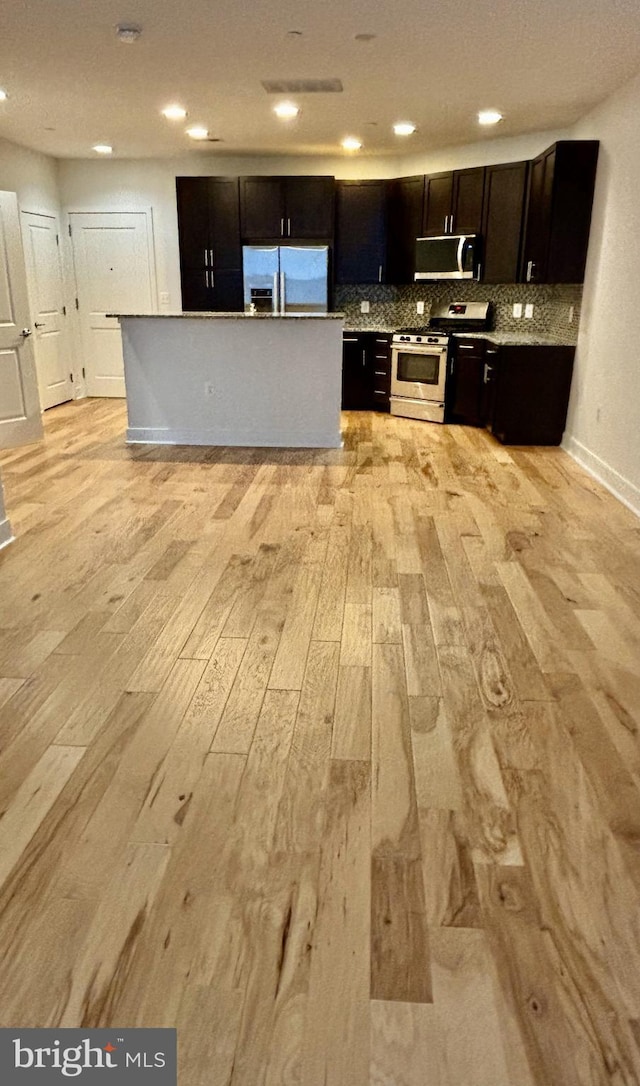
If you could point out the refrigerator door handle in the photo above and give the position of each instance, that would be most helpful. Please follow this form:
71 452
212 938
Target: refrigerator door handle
275 306
283 293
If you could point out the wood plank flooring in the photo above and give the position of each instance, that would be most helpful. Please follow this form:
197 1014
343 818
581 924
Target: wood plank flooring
331 759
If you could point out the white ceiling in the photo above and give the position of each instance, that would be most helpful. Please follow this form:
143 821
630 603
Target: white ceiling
543 63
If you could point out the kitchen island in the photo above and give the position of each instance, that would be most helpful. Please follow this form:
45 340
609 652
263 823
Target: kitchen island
233 379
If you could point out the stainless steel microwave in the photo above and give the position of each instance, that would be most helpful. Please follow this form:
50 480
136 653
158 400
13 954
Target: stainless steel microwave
451 256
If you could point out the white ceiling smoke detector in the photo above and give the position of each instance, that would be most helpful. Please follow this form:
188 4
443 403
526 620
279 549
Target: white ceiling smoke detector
128 32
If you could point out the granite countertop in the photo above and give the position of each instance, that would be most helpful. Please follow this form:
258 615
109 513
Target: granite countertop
387 329
518 339
237 316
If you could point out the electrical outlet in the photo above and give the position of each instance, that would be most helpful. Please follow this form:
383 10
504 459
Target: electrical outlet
571 312
528 309
164 297
209 389
364 307
420 308
517 309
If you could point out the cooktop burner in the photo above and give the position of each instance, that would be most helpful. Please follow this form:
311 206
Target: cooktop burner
423 331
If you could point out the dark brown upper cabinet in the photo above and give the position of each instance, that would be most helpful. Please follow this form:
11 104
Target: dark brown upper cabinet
453 202
210 248
405 197
504 195
361 226
558 218
287 207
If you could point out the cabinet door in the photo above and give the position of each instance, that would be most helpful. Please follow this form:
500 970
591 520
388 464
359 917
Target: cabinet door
309 207
356 382
538 218
532 395
465 391
438 193
193 221
466 205
502 222
573 187
196 290
405 198
360 231
262 207
224 223
226 291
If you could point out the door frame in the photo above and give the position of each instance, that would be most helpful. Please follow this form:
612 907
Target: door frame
71 276
56 217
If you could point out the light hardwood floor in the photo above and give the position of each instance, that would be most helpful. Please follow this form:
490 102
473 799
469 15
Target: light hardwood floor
328 758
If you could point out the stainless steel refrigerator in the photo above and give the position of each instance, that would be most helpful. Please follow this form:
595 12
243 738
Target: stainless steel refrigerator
286 278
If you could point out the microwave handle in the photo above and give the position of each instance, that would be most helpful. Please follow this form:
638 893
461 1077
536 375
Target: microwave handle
461 247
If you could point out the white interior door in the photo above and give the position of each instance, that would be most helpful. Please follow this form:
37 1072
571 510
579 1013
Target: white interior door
41 238
20 419
112 253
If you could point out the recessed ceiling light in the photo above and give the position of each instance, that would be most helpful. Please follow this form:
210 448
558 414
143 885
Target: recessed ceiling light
198 132
350 143
3 95
128 32
286 111
404 128
174 113
489 116
103 148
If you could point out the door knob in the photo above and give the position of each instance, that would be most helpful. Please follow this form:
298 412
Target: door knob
25 333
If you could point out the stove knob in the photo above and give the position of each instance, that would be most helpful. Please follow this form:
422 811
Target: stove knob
418 339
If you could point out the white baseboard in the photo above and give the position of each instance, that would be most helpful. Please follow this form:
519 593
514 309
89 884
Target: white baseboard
6 535
138 435
621 488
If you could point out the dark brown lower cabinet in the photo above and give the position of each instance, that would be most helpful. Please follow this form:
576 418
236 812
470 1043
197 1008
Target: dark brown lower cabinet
366 374
520 392
530 393
465 393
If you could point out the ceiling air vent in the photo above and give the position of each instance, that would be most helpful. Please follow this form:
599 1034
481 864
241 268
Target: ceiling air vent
302 86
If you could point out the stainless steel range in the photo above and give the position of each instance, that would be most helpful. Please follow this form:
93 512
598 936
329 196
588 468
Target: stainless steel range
419 359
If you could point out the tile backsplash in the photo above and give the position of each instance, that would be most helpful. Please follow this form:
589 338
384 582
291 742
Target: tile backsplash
395 307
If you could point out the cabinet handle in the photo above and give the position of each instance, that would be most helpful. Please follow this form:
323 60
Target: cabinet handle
479 272
466 347
490 351
289 227
364 358
380 373
451 224
206 278
349 339
211 282
206 258
451 369
530 266
211 257
281 228
487 370
379 273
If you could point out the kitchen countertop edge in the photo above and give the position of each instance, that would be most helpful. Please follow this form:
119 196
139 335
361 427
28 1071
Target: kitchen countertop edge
231 316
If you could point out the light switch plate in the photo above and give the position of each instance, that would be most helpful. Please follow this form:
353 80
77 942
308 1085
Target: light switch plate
364 307
420 308
517 309
164 297
528 309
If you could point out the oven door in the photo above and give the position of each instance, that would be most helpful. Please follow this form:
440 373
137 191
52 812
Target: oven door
419 372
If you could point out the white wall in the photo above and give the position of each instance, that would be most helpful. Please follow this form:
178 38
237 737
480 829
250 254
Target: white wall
33 176
603 429
483 153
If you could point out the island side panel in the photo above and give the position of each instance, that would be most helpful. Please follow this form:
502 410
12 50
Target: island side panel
223 382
